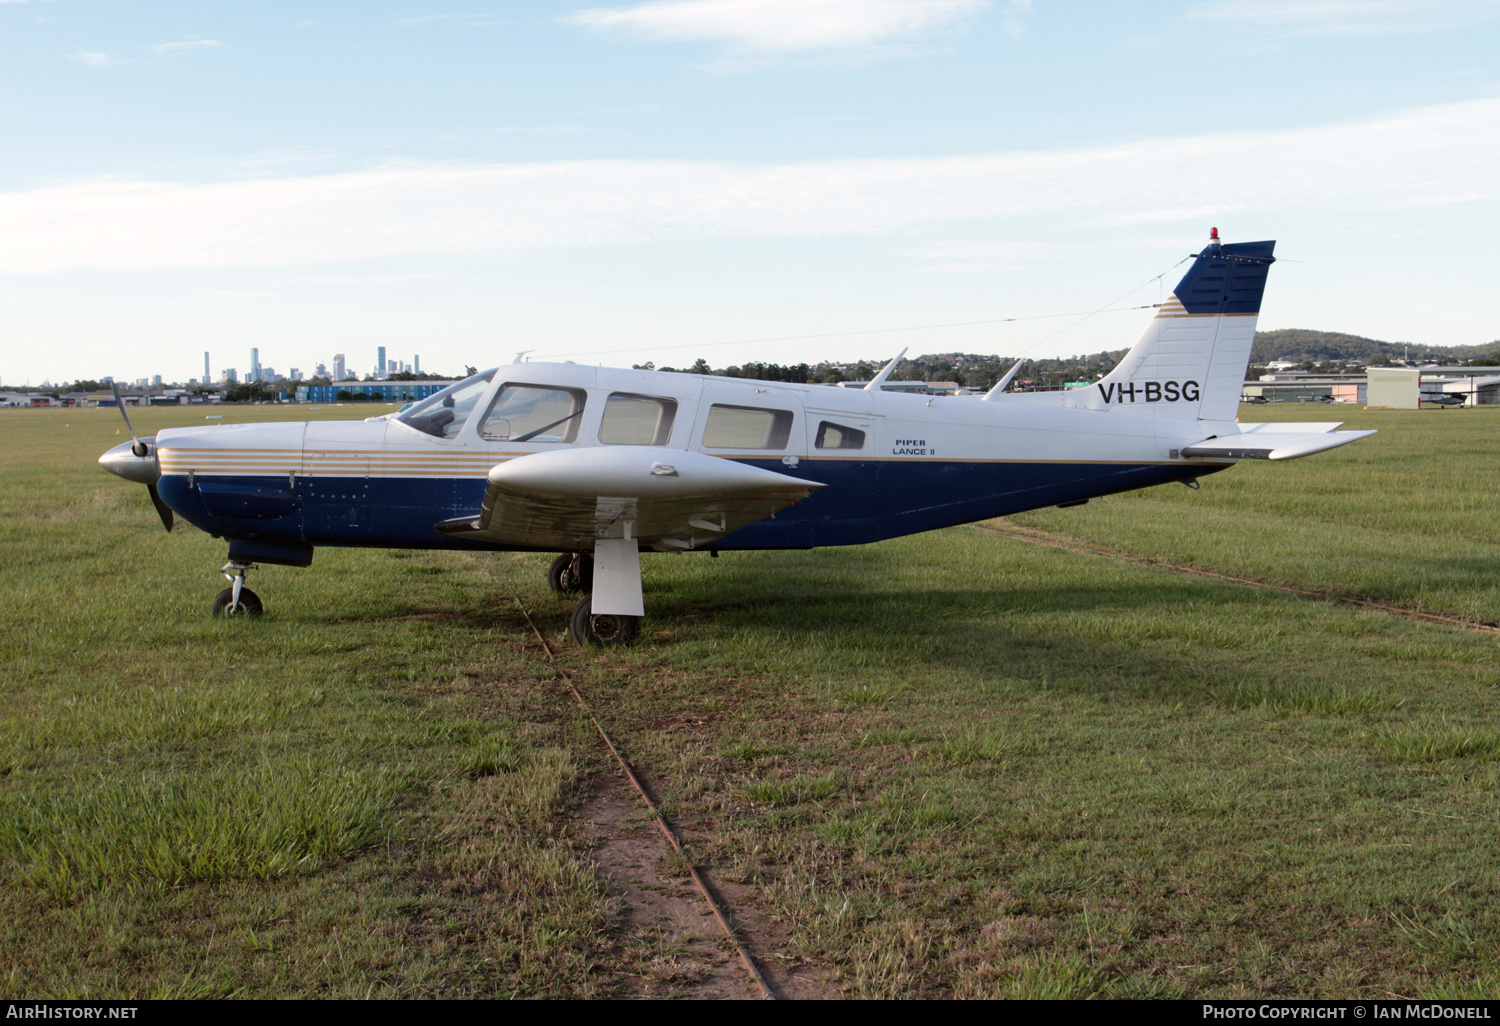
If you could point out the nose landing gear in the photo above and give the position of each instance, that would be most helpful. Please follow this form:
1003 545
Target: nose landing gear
572 573
237 600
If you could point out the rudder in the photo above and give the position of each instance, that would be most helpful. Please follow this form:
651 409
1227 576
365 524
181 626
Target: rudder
1190 363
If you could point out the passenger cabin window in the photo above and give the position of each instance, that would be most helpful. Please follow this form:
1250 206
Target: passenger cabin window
637 420
443 415
534 413
836 436
746 427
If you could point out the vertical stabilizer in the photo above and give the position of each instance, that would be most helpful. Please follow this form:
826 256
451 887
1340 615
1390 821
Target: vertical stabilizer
1190 362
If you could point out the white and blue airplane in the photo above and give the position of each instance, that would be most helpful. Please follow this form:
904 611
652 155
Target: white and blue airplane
599 464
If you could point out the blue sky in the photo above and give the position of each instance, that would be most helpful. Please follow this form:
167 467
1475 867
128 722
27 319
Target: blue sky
679 178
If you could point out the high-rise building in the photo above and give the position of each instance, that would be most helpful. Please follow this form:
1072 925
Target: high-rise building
294 375
254 364
380 361
228 376
206 376
416 364
156 381
338 367
321 370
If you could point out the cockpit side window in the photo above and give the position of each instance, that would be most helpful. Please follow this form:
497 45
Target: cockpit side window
637 420
837 436
534 413
746 427
444 414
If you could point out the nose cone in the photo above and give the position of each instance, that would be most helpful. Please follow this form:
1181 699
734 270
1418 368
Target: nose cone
123 462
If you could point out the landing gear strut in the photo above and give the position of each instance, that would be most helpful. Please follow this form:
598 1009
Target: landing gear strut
237 600
572 573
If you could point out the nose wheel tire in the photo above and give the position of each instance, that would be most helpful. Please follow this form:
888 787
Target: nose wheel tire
602 630
572 573
249 604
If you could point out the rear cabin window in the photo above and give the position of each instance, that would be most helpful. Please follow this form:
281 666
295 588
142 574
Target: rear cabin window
637 420
534 413
837 436
746 427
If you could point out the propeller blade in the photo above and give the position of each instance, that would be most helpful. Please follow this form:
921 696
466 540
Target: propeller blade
139 448
162 509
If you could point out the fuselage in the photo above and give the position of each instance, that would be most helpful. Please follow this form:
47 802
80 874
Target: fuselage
892 463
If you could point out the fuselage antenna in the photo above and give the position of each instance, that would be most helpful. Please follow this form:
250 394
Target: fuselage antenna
874 385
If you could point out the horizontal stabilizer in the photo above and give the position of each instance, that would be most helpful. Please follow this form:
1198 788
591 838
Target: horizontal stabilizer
1265 445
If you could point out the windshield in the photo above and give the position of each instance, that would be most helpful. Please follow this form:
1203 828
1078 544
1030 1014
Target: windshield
444 413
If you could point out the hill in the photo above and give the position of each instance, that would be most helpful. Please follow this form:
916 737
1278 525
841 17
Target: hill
1319 346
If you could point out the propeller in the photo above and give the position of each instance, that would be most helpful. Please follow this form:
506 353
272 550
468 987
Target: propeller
141 450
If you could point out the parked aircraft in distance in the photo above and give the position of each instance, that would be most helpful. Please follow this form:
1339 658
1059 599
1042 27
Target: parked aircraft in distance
1446 398
599 464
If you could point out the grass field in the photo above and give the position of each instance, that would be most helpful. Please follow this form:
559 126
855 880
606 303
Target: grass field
958 764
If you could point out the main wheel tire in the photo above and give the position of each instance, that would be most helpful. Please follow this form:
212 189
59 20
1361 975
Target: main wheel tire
566 579
602 630
249 603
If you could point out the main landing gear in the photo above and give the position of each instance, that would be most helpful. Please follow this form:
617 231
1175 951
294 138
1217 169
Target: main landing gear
601 630
610 580
237 600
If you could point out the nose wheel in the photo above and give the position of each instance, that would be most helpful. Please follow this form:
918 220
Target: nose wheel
237 600
572 573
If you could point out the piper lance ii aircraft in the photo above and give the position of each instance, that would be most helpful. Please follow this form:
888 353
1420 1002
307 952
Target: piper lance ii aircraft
599 464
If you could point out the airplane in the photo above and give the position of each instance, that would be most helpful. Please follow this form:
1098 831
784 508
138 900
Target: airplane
601 464
1446 398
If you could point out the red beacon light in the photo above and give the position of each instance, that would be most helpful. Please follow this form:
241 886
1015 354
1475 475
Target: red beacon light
1213 235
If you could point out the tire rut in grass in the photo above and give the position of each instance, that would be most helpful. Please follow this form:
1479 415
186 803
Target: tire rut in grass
1057 541
667 940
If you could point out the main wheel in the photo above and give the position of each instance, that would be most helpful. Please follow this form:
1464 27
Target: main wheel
566 578
249 603
604 629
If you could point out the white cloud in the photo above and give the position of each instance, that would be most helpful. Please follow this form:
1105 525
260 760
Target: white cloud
1429 156
189 44
95 59
783 26
1345 17
426 19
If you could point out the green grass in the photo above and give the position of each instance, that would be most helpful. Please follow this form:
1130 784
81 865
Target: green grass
1409 516
956 764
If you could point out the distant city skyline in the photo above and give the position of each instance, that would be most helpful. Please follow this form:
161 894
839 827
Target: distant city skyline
258 372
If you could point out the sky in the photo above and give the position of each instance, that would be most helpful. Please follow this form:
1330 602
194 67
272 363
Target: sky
774 180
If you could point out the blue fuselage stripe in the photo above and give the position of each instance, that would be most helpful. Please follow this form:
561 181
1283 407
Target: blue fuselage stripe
864 501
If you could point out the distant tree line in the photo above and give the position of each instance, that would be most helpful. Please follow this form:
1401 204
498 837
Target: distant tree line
967 370
1317 351
1326 347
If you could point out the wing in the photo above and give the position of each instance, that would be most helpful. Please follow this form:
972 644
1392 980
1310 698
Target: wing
666 498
